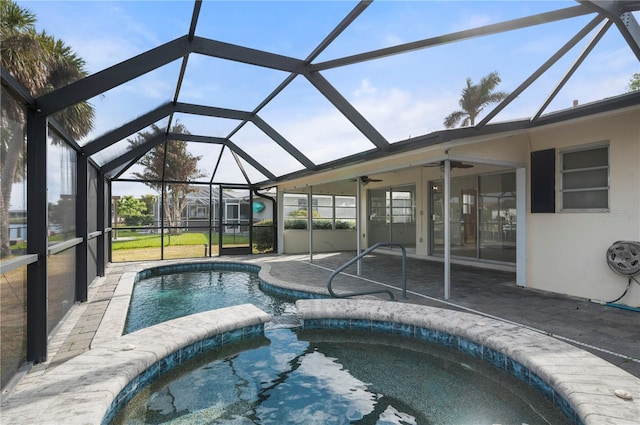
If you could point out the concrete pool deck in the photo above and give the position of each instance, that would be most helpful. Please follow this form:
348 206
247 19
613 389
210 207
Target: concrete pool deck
610 333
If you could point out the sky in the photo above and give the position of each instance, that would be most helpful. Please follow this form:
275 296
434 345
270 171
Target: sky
402 96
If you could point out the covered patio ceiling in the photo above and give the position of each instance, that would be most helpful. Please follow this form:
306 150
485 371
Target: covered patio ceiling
303 87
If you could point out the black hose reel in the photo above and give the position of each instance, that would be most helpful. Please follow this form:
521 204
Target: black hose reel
623 257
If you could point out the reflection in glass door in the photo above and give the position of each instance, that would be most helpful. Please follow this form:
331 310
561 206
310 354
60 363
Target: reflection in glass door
482 217
392 216
498 217
463 217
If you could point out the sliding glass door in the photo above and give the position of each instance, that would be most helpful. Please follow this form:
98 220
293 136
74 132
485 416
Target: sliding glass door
497 234
482 217
392 216
463 217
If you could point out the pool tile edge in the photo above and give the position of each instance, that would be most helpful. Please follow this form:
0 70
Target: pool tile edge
101 379
503 346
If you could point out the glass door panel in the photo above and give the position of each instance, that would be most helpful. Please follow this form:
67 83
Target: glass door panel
234 235
483 217
437 218
392 216
403 216
379 216
463 219
498 217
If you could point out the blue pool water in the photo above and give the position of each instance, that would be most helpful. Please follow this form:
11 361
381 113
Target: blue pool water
337 377
160 297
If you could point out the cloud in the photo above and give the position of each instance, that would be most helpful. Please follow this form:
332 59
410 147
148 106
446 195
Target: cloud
365 89
102 51
399 113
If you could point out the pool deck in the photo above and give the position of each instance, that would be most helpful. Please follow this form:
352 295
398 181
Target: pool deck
610 333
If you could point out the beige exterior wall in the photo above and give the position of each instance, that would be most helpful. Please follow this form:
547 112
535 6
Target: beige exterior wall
565 251
297 241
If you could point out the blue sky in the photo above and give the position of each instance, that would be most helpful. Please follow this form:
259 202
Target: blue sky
402 96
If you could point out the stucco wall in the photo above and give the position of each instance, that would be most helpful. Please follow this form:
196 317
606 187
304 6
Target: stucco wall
566 251
297 241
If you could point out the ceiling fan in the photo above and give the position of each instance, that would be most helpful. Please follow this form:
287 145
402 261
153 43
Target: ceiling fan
366 180
454 164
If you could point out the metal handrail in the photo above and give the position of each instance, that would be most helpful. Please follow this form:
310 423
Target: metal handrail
358 257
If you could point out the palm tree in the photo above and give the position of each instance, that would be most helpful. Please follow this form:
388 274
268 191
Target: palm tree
41 64
474 98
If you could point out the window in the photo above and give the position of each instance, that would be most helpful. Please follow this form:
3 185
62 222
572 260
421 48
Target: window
295 211
345 212
585 179
329 212
322 212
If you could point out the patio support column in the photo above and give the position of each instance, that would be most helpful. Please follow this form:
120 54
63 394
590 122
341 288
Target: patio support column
100 222
108 203
521 226
447 229
310 222
81 228
37 232
358 225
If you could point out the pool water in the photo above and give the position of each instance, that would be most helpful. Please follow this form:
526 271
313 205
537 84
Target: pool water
337 377
164 297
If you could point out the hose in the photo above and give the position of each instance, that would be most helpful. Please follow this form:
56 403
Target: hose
611 303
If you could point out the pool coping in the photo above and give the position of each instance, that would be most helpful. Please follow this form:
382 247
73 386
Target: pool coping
583 381
113 321
90 388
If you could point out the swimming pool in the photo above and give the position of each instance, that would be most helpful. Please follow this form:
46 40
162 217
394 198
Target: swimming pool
177 290
169 292
337 377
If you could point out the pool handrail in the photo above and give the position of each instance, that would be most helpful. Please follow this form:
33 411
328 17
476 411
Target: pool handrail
360 256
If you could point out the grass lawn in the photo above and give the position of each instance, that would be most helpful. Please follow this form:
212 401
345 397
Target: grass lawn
136 247
154 241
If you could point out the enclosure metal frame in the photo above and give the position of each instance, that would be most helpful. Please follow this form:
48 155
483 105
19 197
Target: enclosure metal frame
40 110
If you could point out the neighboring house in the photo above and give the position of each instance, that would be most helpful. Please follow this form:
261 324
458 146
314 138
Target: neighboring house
545 200
235 213
17 226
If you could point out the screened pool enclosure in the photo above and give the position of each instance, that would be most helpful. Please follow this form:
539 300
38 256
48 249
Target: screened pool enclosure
209 116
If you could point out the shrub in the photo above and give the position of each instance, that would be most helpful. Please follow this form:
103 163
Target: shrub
322 224
263 234
345 224
295 224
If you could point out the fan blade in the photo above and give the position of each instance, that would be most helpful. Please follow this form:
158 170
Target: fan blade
458 164
454 164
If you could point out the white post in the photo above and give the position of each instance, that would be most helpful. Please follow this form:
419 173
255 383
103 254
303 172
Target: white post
358 225
521 227
447 229
310 222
